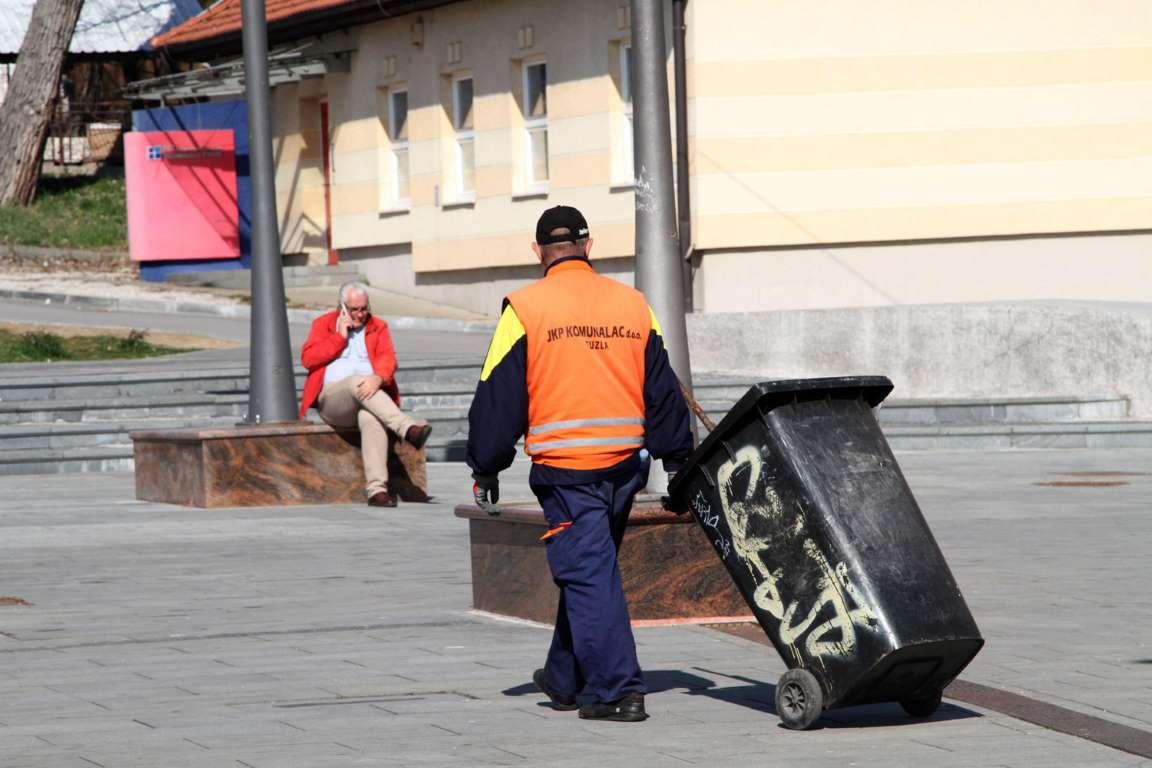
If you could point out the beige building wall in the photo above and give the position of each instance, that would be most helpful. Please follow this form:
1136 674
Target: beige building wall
440 227
883 125
842 154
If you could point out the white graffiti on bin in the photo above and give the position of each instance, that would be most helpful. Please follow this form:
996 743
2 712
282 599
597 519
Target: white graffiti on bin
703 511
835 636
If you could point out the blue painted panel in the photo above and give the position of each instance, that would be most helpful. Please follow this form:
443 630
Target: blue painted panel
213 115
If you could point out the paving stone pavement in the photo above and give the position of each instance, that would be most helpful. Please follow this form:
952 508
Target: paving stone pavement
342 635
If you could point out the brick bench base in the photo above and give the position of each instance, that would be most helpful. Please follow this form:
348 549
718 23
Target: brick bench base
251 466
668 566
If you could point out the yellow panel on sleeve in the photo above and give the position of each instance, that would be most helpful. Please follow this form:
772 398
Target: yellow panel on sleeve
655 322
508 332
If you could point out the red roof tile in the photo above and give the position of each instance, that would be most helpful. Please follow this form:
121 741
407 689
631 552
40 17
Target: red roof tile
224 18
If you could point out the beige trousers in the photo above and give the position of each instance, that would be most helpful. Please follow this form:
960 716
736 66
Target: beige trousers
340 406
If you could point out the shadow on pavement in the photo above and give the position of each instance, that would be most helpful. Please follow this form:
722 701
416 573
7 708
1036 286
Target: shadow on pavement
658 681
761 696
889 714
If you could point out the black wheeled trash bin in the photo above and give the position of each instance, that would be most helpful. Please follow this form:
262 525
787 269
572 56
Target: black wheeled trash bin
802 499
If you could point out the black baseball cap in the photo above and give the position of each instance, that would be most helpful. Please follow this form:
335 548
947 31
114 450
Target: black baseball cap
561 217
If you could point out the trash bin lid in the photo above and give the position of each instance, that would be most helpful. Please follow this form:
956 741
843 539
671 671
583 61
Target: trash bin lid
768 395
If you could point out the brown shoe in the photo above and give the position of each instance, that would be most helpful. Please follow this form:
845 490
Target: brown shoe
381 499
417 435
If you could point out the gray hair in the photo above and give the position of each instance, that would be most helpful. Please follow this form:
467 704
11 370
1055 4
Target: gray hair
352 287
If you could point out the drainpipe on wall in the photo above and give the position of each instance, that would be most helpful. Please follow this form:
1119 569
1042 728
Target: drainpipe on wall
683 200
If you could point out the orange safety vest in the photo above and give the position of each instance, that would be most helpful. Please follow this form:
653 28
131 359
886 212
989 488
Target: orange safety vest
586 337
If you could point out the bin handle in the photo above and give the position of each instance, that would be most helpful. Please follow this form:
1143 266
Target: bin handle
696 409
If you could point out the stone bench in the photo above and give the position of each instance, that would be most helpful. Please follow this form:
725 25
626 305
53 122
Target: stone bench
668 566
267 465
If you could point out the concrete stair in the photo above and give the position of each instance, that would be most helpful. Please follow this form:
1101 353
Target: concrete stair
1048 422
76 417
972 424
192 405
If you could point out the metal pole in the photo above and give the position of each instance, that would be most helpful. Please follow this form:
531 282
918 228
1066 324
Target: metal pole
272 389
658 272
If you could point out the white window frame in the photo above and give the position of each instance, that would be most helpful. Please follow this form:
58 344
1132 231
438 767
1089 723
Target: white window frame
398 153
464 137
532 125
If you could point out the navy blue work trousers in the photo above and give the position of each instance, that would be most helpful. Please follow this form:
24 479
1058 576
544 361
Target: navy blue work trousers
592 644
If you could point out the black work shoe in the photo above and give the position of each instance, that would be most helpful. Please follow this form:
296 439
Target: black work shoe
417 435
627 709
559 700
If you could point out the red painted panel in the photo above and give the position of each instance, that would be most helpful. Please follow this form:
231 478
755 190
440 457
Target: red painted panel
181 195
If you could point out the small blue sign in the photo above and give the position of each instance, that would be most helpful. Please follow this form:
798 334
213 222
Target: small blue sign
155 153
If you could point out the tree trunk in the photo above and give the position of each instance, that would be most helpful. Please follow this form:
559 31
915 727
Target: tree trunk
27 109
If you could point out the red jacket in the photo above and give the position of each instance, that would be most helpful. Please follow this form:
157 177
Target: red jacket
324 345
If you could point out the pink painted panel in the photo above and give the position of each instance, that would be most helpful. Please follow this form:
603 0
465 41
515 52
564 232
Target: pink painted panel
181 195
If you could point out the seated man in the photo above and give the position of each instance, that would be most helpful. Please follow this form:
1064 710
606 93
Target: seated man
351 367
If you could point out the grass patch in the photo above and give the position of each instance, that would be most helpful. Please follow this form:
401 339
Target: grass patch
70 212
42 347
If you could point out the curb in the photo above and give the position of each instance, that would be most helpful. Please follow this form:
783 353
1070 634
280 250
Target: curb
54 253
238 311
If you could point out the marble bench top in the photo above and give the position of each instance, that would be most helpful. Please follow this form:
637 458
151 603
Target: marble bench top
279 429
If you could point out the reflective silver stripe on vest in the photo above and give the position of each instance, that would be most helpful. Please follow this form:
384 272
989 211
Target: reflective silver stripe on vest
606 422
582 441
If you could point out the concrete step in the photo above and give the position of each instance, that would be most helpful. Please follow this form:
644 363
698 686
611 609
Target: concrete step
105 447
1005 410
99 458
78 435
128 384
971 412
462 380
191 405
38 397
222 379
117 457
1084 434
450 433
417 405
217 363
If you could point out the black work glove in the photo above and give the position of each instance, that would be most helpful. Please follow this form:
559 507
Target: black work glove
486 492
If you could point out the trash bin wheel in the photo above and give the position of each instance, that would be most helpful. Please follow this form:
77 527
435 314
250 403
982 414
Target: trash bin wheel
799 700
923 706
